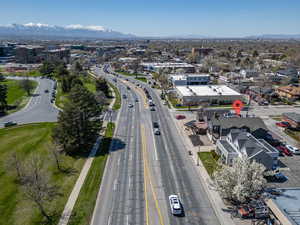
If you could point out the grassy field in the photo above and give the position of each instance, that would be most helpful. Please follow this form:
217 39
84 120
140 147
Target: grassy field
28 141
209 160
294 134
89 83
117 104
33 73
83 209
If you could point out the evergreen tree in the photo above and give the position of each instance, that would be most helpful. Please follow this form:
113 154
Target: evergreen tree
78 123
3 97
101 85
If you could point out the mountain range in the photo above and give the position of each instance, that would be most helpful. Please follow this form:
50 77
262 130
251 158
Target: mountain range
38 30
77 31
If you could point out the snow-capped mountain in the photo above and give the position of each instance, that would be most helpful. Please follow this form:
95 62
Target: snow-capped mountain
70 31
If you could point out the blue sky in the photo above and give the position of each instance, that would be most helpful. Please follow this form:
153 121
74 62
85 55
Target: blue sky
226 18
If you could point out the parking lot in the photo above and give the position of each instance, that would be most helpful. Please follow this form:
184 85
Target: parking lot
290 167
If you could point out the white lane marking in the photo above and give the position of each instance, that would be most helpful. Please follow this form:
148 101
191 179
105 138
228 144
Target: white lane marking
119 160
115 184
129 181
127 219
109 220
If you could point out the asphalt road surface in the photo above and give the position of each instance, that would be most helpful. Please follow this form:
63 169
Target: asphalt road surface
39 107
144 169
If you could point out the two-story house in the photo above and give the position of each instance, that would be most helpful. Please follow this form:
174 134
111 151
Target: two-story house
239 142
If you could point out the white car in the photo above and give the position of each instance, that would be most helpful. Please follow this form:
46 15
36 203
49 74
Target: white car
156 131
175 205
130 106
293 149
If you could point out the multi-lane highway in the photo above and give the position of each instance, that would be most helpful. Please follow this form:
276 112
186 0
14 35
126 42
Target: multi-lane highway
144 169
39 108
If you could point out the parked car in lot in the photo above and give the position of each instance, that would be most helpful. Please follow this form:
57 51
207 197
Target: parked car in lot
283 124
175 205
293 149
284 150
180 117
10 124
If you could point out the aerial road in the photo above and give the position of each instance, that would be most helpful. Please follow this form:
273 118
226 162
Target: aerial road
39 107
144 169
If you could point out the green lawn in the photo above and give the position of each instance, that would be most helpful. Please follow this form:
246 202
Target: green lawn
117 104
61 98
84 207
33 73
28 141
89 83
209 160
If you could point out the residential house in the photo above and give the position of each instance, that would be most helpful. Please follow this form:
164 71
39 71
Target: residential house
240 143
290 92
289 72
220 126
292 118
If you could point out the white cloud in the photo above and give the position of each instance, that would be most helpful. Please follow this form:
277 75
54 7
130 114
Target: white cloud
37 25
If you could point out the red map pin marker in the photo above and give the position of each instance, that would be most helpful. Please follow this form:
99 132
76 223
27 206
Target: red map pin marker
237 105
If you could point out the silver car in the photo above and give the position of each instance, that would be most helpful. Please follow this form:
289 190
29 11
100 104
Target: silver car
293 149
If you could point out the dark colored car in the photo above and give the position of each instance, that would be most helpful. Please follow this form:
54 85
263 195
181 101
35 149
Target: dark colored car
10 124
155 125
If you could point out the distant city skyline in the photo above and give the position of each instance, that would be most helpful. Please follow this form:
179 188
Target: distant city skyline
214 18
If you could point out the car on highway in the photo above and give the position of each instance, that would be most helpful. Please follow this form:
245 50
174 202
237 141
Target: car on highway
175 205
136 100
124 96
10 124
283 124
283 149
46 91
130 105
155 125
128 88
156 131
293 149
180 117
152 108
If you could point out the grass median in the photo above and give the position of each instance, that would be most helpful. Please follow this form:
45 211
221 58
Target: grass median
117 104
29 141
84 207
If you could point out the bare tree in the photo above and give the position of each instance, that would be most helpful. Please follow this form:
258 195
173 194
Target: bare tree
56 154
14 164
37 188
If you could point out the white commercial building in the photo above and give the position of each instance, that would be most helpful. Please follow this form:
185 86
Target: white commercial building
189 79
156 67
213 94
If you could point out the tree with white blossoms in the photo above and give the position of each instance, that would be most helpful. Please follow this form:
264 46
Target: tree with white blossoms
241 181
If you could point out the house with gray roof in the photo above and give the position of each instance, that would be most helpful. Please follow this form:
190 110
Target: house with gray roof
221 126
239 142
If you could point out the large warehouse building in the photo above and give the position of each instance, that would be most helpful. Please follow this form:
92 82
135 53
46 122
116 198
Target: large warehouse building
213 94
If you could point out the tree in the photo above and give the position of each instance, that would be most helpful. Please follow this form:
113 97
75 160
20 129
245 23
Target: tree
78 123
255 54
3 98
37 188
101 85
241 181
2 78
27 85
47 68
78 67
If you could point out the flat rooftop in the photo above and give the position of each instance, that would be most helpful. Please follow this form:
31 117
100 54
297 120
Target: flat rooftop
206 90
184 76
167 64
288 204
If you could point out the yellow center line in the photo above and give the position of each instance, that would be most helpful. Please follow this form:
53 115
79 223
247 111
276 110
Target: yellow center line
148 174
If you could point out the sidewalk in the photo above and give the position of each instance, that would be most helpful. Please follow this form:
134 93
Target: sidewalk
84 172
217 203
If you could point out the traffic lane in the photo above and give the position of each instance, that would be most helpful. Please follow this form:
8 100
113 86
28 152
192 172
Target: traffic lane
197 206
109 185
39 107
